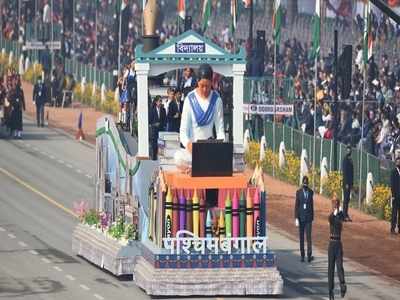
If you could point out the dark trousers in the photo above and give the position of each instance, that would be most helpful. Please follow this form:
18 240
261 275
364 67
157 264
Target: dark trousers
335 255
305 227
346 200
40 114
395 214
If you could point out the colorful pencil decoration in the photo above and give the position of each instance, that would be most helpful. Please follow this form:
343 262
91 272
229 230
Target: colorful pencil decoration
189 214
182 212
209 225
235 216
202 222
168 214
256 217
249 215
175 214
242 214
221 226
196 208
228 216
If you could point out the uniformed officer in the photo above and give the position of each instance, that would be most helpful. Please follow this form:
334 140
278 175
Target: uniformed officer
348 178
304 216
335 249
40 99
395 187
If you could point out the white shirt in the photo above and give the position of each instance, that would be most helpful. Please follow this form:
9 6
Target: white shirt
190 131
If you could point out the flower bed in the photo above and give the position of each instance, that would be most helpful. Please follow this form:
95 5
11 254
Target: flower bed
290 173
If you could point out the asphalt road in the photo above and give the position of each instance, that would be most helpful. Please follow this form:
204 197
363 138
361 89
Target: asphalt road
42 175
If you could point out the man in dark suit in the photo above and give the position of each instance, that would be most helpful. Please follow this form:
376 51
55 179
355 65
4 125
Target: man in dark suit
158 120
187 82
173 114
395 187
348 178
40 98
304 216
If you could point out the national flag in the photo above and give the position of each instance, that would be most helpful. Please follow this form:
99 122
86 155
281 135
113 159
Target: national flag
206 14
277 21
246 3
316 30
367 43
181 9
234 14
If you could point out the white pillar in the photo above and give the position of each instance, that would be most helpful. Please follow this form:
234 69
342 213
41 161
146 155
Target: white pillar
27 63
142 72
103 92
263 148
369 188
238 84
282 151
10 58
116 94
83 84
324 174
303 164
94 88
246 140
21 69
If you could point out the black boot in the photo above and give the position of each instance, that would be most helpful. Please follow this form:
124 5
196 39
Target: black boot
343 289
331 297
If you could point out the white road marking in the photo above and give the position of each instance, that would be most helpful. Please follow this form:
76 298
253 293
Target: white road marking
60 161
11 236
52 157
291 280
70 277
34 252
88 176
79 171
28 145
86 288
57 268
22 244
47 261
309 289
69 166
2 229
42 152
36 149
98 297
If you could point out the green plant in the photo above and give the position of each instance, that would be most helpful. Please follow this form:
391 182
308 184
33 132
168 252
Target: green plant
381 202
117 229
91 217
130 232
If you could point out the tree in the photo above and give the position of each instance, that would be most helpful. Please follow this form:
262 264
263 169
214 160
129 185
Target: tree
292 10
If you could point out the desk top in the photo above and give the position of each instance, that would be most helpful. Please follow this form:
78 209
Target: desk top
178 180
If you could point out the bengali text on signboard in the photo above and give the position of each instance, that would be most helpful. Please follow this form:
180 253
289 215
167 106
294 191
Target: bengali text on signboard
190 48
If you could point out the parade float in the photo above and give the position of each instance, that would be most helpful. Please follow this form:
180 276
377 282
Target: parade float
177 245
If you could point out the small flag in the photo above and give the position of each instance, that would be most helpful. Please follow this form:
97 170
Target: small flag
368 42
181 9
234 14
277 22
206 14
316 30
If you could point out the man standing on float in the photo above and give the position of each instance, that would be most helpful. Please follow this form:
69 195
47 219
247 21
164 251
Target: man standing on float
202 110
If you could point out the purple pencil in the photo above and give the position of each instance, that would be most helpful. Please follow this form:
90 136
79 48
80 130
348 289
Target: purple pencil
182 211
235 215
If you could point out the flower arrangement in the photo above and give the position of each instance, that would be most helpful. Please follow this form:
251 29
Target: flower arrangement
380 204
32 73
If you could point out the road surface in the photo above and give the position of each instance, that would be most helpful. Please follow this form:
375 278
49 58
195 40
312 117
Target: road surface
42 175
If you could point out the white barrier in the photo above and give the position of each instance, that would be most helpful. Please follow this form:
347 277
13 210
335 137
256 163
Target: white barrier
83 84
324 174
282 157
263 148
21 70
10 58
27 63
369 188
116 94
103 92
303 165
246 140
94 88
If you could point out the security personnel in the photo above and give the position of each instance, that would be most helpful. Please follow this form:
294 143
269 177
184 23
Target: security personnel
40 98
304 216
395 187
348 179
335 248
